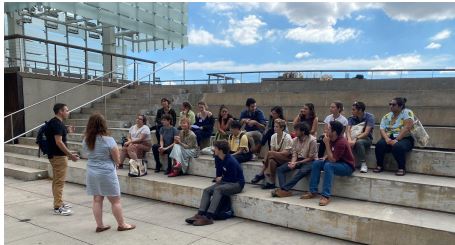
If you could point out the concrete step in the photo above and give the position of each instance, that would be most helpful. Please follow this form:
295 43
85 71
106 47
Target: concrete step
32 150
434 98
419 161
428 115
30 161
348 219
412 190
24 173
116 113
110 123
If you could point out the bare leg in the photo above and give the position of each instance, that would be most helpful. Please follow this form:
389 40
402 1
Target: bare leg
117 211
98 210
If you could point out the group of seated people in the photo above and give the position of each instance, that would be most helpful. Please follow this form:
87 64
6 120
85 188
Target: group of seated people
338 151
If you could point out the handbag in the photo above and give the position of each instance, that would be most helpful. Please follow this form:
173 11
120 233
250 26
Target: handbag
356 130
420 135
138 168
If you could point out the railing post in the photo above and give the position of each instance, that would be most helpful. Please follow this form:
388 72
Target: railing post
86 65
21 58
259 77
153 73
134 70
401 74
241 77
55 59
105 107
55 99
12 128
432 73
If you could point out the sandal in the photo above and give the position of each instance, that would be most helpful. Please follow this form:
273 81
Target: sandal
101 229
378 169
400 172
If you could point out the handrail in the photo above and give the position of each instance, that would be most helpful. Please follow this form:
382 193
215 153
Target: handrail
58 94
335 70
102 96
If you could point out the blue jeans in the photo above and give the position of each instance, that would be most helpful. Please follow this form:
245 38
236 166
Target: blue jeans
302 171
330 169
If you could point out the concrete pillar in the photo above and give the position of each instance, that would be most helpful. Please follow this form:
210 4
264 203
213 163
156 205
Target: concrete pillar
16 52
109 46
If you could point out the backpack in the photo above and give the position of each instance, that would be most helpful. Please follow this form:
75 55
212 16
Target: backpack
41 140
138 168
240 137
224 210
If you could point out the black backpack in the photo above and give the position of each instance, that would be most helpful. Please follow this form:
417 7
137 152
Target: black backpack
224 210
42 141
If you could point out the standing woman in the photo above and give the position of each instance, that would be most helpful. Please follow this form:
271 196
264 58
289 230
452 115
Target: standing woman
308 115
396 137
203 127
101 179
223 124
185 148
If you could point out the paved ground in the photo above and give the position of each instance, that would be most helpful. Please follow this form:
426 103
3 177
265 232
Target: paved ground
29 220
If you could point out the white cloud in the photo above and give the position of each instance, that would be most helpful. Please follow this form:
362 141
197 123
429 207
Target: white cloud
225 7
321 35
302 55
433 45
204 38
402 61
245 31
419 11
441 35
360 17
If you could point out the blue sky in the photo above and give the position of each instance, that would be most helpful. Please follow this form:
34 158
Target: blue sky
225 37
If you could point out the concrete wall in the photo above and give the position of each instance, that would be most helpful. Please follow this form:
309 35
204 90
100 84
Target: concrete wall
36 89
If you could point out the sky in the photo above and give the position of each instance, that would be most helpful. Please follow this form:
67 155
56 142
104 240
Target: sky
230 37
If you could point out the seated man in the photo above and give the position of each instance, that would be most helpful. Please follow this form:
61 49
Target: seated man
338 161
167 134
361 140
229 181
304 151
254 121
238 143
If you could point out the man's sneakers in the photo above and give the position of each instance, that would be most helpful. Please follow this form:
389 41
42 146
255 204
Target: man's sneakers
62 211
364 168
67 206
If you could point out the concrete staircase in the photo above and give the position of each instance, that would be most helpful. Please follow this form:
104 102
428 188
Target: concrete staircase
418 208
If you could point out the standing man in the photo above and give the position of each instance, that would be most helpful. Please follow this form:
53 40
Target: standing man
229 181
254 121
58 155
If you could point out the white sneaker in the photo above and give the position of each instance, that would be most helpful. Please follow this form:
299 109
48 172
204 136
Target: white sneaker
254 157
364 168
67 206
62 211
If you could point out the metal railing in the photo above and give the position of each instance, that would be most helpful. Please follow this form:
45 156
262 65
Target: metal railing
59 72
104 97
17 50
257 76
55 98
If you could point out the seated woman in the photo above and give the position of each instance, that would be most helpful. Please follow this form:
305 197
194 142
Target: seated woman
203 127
223 124
138 141
275 113
186 112
185 148
396 138
308 116
281 144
